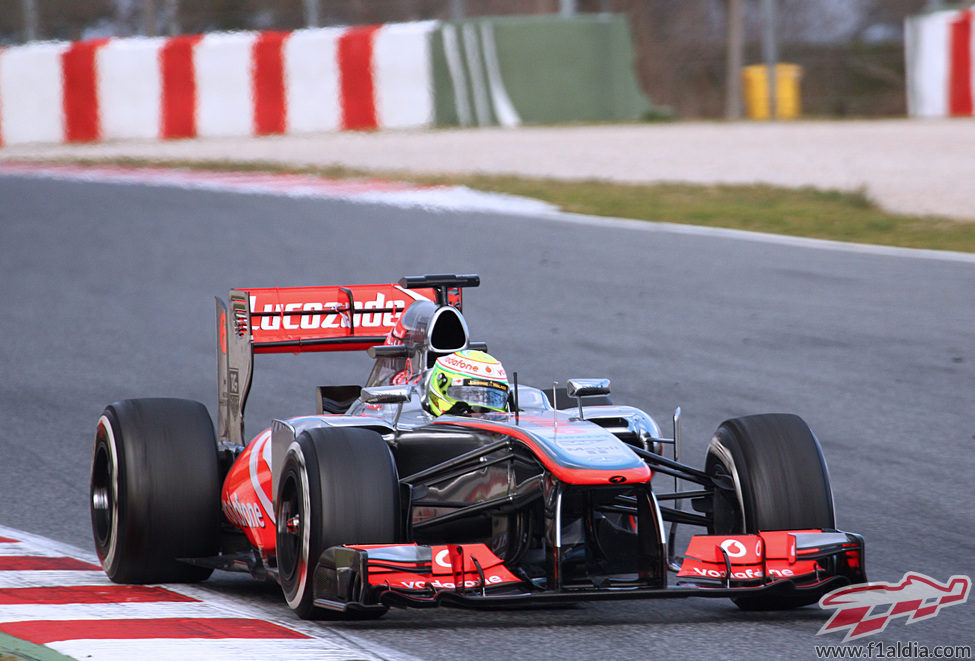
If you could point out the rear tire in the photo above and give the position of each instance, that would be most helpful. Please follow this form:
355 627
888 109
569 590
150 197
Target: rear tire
778 480
155 490
337 486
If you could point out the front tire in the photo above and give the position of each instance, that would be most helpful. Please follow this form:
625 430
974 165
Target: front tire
337 486
774 477
155 490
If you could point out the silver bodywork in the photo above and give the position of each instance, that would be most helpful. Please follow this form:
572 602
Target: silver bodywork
630 424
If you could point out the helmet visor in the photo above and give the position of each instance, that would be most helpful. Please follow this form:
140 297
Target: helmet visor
477 392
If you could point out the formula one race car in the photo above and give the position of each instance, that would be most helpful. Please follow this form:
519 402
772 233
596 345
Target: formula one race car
542 497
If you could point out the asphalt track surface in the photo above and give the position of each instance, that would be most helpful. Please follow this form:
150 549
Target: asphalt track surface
107 294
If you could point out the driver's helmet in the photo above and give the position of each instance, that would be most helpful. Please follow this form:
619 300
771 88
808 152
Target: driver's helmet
466 382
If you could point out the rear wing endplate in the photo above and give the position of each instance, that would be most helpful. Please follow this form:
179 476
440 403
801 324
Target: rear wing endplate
304 319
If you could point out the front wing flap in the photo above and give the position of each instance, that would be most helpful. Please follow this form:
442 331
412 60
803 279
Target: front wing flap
746 559
368 577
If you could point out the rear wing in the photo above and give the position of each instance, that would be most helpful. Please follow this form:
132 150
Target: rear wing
303 319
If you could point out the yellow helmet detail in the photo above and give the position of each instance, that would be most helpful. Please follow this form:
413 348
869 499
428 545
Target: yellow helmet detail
474 379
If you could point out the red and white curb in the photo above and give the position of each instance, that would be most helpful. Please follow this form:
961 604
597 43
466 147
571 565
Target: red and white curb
57 597
374 191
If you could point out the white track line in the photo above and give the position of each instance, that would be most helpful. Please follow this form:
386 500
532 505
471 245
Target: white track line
761 237
114 611
198 649
51 579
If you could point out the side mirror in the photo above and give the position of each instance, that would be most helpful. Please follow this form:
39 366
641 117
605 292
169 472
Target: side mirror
386 394
580 388
587 387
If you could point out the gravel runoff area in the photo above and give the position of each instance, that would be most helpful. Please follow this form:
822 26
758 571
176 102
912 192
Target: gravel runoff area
906 165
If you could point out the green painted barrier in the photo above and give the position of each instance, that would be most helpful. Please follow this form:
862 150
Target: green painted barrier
15 649
535 70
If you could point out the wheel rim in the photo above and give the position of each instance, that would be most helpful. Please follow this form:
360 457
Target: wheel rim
294 530
104 493
289 531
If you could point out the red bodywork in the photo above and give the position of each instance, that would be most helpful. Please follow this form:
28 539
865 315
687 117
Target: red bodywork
247 497
327 313
296 320
465 566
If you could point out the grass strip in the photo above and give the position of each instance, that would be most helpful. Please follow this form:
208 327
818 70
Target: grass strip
805 212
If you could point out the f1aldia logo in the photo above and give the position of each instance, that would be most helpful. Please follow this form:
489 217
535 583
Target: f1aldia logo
867 608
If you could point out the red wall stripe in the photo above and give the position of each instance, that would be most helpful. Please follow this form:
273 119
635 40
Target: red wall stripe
80 84
42 563
357 88
42 632
178 87
90 594
960 65
270 106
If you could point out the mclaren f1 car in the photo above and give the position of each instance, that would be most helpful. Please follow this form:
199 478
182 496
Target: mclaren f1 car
373 501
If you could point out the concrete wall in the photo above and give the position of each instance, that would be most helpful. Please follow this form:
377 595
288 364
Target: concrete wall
221 84
503 71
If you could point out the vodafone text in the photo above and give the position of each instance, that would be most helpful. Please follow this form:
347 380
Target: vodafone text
447 585
244 515
743 574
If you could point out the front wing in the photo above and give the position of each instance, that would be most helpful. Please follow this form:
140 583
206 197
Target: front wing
807 564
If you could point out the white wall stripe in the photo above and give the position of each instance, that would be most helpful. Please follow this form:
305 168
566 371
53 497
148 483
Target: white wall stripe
504 109
224 84
129 88
913 66
31 98
311 80
933 73
402 75
476 69
458 77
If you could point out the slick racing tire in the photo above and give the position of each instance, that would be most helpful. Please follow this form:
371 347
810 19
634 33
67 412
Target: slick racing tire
337 486
770 474
155 490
